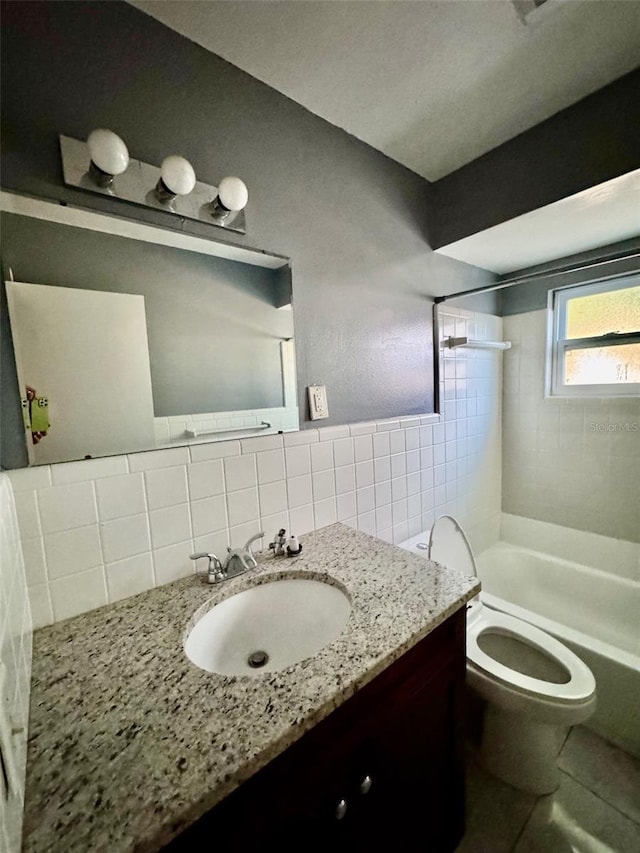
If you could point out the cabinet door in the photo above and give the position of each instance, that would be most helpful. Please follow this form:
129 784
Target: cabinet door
415 771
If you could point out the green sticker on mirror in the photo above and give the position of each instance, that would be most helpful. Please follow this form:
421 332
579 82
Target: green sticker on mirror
40 414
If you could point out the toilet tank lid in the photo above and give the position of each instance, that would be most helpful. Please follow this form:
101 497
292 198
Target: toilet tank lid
449 546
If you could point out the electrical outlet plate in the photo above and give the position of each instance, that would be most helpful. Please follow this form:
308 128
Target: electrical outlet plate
318 408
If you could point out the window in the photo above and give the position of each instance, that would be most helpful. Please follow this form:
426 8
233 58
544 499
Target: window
595 339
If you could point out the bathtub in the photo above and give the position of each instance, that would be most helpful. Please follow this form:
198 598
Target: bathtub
595 613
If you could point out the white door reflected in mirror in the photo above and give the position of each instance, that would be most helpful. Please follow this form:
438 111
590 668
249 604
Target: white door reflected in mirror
87 353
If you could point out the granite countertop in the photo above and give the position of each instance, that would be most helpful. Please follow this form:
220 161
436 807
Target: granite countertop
130 743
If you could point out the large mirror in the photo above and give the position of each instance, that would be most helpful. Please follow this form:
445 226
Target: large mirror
119 337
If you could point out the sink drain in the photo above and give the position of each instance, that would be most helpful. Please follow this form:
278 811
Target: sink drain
257 659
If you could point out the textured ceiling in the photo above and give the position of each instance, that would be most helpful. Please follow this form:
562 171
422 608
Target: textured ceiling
431 83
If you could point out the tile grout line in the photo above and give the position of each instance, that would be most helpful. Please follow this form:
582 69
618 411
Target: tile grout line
599 796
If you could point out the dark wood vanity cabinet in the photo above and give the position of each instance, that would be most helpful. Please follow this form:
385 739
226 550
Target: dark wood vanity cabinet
384 768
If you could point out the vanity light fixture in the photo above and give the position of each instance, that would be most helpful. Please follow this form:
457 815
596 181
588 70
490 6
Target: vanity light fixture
102 165
176 178
109 156
231 199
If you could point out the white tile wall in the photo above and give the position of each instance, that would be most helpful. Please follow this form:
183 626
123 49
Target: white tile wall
15 662
568 461
134 521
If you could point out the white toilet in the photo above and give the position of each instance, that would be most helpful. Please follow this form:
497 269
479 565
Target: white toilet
534 686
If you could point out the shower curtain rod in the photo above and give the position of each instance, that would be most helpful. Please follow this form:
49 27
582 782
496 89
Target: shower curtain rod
533 276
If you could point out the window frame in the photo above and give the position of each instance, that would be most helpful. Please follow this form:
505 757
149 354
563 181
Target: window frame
558 346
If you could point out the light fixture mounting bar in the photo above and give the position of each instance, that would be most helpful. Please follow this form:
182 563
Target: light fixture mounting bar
137 185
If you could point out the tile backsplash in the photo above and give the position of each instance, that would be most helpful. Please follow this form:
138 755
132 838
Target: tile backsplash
15 672
574 462
100 530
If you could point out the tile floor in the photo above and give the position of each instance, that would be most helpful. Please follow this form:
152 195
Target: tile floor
596 809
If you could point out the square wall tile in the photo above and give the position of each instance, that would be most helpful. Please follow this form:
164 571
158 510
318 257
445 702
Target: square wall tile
324 513
382 469
78 593
173 563
213 543
129 577
120 496
343 453
298 461
299 491
65 507
271 524
381 446
241 533
271 466
366 500
363 448
240 472
321 456
301 520
273 498
125 537
166 487
205 479
242 506
383 517
367 523
345 479
412 438
346 506
323 484
72 551
398 465
27 514
41 610
170 525
383 493
208 515
33 554
397 441
364 474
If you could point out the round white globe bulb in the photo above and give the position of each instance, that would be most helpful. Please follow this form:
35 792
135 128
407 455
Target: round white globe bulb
108 151
233 193
178 175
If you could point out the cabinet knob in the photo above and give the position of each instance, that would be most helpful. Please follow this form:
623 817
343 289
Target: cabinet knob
341 809
365 785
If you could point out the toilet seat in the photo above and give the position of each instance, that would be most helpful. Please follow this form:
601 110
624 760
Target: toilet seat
581 684
449 546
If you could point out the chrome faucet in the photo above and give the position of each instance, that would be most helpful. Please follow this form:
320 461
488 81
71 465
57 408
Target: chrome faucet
237 561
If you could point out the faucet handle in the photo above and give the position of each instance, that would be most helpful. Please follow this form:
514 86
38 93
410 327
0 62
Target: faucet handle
215 571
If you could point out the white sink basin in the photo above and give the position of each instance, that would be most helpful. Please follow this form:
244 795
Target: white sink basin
268 627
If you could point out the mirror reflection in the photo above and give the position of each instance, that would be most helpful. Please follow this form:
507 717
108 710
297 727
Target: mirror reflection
139 339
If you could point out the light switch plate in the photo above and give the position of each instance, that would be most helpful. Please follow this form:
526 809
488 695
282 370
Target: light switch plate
318 408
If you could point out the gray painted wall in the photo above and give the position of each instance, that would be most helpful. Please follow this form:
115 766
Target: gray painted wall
355 223
213 326
590 142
